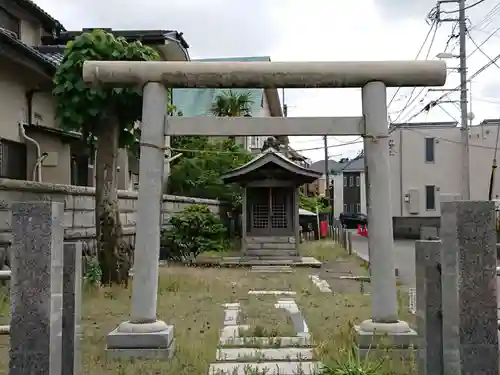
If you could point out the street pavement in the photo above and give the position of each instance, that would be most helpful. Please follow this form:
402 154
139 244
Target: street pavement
404 256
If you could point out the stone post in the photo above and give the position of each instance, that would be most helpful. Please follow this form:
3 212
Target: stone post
349 243
380 241
429 319
468 258
144 336
71 311
36 288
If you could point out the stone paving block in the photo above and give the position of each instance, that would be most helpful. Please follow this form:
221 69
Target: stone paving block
269 368
271 354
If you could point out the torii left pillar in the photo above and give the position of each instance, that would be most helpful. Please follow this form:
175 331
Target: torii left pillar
144 336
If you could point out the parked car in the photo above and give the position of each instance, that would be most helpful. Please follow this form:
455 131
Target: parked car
351 220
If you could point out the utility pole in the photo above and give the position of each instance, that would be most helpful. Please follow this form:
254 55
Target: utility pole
327 171
464 124
327 181
464 120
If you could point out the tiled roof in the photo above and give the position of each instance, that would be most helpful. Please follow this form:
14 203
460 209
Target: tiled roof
9 38
355 165
147 37
333 166
53 53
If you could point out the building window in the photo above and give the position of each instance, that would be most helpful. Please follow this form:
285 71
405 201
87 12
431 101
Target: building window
345 181
357 180
9 22
13 160
351 181
351 208
345 207
430 197
358 208
429 150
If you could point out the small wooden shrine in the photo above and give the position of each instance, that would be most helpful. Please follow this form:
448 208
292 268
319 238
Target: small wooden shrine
270 212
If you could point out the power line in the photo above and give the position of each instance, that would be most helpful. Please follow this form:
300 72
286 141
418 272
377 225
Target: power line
433 25
448 113
467 7
434 102
484 53
355 142
451 140
410 101
487 18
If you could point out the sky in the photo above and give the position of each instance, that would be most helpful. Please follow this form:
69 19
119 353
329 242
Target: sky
316 30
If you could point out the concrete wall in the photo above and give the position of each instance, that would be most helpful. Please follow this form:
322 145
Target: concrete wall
79 216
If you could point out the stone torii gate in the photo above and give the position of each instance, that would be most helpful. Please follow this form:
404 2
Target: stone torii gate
143 335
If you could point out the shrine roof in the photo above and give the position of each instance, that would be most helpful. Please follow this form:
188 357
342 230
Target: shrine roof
275 159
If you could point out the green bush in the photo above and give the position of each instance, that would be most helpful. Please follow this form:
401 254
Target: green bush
193 231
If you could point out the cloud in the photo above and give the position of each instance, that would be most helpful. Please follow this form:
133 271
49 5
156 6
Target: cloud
216 28
400 11
316 30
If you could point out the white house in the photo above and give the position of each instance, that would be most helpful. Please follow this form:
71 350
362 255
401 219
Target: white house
426 169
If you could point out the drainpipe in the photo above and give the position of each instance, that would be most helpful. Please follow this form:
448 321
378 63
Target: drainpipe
39 159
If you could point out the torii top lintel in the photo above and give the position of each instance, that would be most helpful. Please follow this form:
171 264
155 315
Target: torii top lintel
263 74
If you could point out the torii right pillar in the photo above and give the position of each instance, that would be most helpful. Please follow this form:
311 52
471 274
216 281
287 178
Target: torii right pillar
384 330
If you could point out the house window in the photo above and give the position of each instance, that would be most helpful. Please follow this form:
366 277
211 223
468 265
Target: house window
351 181
345 181
357 180
430 197
13 160
429 150
358 208
9 22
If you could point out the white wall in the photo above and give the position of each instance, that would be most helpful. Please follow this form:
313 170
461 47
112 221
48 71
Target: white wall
410 172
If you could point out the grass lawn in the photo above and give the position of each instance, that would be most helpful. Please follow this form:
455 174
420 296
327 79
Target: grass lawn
191 299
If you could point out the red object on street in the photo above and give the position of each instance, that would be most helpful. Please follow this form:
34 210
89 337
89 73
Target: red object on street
323 229
363 231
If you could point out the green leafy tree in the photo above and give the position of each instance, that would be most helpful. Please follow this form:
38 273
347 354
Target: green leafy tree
198 174
313 203
109 116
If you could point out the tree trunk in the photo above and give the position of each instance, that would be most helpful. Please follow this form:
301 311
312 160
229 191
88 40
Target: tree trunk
113 254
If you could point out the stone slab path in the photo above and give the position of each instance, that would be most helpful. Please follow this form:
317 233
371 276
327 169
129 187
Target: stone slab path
270 355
